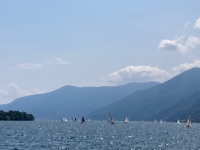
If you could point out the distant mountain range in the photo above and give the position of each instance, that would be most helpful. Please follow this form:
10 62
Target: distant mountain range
69 101
172 100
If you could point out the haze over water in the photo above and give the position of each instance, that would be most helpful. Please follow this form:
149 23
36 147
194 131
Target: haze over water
97 135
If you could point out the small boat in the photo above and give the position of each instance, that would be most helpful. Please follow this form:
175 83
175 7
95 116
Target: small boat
126 119
178 122
63 120
89 119
110 119
155 121
160 121
188 123
82 120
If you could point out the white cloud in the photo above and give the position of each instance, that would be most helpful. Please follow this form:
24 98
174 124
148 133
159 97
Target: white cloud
171 45
29 66
186 66
197 24
179 44
13 91
58 61
182 44
144 74
138 74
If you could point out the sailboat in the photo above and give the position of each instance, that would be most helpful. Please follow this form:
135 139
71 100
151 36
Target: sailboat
63 120
82 120
160 121
155 121
89 119
188 123
178 122
110 119
126 119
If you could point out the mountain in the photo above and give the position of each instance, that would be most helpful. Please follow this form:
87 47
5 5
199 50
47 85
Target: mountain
172 100
69 101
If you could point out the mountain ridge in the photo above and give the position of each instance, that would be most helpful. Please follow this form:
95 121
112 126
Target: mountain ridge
70 100
159 101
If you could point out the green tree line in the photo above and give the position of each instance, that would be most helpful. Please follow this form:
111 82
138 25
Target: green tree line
15 116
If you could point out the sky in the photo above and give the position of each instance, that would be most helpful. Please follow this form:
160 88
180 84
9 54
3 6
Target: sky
47 44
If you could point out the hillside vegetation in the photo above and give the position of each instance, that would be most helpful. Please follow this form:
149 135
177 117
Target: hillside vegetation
15 116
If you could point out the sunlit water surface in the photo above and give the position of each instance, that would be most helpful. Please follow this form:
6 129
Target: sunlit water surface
97 135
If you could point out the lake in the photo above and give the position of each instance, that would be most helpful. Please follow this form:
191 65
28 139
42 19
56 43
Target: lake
97 135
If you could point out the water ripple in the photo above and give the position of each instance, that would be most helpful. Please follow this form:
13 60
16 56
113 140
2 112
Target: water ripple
97 135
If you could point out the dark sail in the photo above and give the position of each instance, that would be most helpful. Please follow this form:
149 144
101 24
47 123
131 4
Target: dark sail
83 120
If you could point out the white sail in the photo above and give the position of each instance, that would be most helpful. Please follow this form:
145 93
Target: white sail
109 119
79 120
178 122
160 121
188 123
155 121
126 119
64 120
89 119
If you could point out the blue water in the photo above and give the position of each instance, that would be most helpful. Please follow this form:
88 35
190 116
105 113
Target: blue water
97 135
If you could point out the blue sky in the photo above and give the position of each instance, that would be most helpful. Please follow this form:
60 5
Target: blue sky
47 44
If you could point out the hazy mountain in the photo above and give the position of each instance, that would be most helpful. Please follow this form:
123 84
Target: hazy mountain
172 100
69 101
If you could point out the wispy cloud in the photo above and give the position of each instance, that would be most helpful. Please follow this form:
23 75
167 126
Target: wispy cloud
29 66
13 91
187 24
61 62
32 66
58 61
